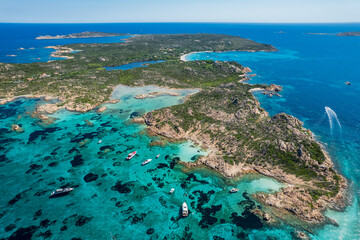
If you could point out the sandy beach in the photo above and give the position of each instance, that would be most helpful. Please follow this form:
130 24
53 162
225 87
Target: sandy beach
183 57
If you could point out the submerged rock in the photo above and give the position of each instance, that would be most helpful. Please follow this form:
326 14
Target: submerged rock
122 188
82 220
10 227
299 235
37 214
88 123
15 199
24 233
90 177
16 128
78 160
101 109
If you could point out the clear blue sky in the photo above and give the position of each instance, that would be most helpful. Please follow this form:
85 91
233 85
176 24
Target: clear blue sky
89 11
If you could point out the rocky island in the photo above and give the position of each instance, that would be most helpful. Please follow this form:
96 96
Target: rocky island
348 34
81 35
223 117
340 34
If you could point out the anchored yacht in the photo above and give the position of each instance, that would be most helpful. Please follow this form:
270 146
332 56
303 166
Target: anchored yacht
61 192
185 210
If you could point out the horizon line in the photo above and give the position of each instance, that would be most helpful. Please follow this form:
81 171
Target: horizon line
181 22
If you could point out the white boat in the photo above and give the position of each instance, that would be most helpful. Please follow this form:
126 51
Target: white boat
157 156
146 162
99 141
172 190
61 192
185 210
131 155
234 190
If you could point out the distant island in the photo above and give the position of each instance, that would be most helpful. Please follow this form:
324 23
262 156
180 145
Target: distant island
349 34
82 35
340 34
321 33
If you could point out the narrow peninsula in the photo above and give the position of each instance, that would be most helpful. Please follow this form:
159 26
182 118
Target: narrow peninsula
81 35
223 117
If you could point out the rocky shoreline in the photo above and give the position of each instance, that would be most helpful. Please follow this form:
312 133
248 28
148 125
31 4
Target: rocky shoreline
292 200
10 99
49 108
60 50
44 110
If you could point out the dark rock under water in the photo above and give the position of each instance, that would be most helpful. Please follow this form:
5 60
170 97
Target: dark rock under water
90 177
24 233
78 160
122 188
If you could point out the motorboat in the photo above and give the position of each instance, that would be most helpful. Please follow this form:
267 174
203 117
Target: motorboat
146 162
131 155
61 192
185 210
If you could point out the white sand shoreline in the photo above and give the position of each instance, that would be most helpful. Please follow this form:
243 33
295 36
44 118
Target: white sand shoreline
183 57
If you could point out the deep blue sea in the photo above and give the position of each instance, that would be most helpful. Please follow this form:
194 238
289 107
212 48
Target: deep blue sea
132 202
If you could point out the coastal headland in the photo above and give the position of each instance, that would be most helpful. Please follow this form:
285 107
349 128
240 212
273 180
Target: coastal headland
80 35
224 117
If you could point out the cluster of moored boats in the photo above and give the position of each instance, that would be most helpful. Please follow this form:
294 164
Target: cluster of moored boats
184 207
132 154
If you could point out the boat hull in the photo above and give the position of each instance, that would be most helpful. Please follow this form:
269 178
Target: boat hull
185 210
59 195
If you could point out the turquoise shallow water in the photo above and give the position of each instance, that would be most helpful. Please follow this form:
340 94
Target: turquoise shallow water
113 195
